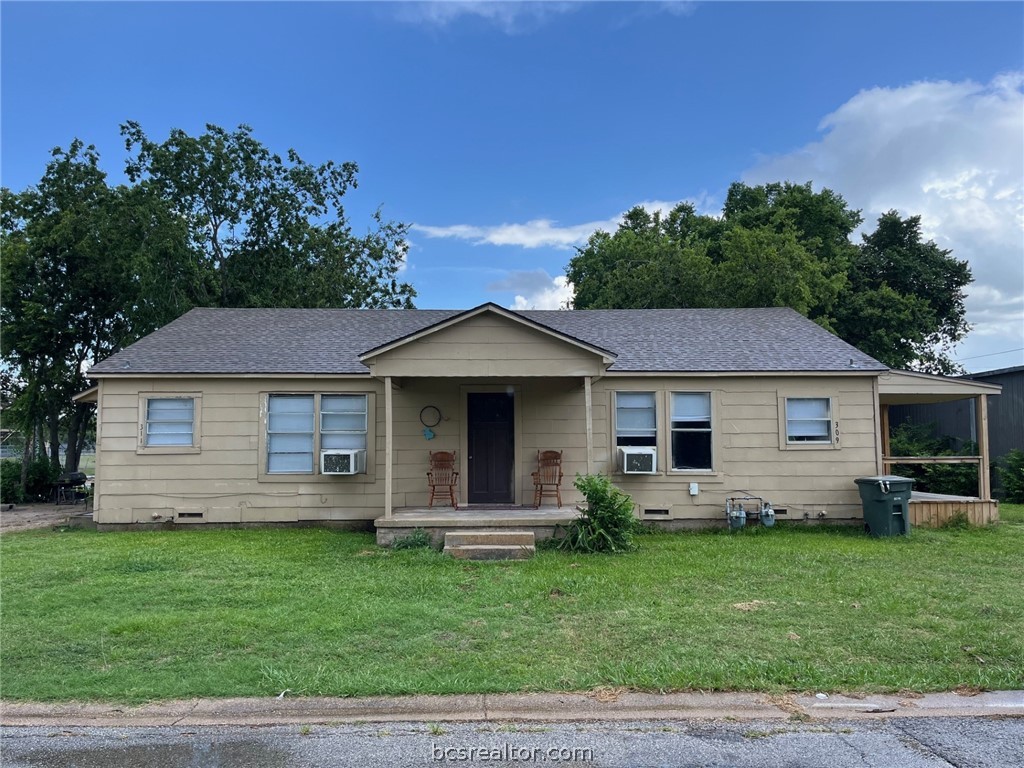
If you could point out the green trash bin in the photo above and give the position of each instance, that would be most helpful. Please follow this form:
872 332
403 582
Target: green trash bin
886 502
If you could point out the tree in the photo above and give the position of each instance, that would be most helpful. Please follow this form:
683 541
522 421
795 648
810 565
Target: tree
650 262
267 231
87 269
761 267
821 222
216 220
905 302
894 297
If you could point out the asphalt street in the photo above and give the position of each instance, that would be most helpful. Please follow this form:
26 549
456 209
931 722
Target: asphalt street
904 742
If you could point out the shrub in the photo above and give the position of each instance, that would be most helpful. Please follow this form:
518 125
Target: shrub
958 521
10 481
917 440
418 538
609 525
40 479
1011 474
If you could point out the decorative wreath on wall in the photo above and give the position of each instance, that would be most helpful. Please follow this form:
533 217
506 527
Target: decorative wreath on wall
430 416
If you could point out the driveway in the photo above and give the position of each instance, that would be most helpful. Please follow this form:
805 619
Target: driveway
24 517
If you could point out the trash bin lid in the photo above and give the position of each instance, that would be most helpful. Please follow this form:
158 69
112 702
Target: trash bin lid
883 479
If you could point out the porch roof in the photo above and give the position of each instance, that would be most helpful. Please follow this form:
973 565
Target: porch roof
910 387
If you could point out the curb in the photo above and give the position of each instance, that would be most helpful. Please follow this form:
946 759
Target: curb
542 707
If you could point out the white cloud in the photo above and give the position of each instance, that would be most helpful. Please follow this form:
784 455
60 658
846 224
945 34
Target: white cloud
510 17
535 289
546 233
555 296
949 152
518 17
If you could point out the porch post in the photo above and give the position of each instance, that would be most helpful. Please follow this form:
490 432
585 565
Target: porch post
589 404
388 439
885 438
981 423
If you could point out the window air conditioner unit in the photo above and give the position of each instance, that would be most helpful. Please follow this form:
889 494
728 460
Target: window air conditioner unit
638 461
343 462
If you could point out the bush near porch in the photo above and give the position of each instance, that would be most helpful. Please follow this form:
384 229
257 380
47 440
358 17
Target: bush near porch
138 616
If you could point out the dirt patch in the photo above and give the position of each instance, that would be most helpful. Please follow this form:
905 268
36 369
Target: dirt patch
25 517
753 605
605 694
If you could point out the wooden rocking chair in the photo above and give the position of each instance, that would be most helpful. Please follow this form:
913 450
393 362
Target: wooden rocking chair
547 480
442 477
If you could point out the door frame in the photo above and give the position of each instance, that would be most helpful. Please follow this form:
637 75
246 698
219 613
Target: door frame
517 428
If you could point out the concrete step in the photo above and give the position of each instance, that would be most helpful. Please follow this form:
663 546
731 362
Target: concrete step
490 545
506 538
491 551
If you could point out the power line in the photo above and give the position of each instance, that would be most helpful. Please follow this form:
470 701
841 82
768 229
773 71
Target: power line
991 354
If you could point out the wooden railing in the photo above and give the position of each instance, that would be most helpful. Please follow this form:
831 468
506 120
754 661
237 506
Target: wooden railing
889 461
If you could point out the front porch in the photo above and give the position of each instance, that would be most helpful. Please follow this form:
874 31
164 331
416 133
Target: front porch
437 521
932 510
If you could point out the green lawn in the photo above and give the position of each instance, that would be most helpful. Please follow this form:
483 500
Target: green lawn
137 616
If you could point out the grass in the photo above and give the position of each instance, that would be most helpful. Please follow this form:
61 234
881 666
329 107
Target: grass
130 617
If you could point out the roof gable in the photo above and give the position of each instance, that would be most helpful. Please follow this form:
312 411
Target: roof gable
487 341
484 309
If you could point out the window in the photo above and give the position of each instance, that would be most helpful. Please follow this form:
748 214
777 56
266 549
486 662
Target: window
691 430
635 419
294 431
290 431
809 420
343 421
170 421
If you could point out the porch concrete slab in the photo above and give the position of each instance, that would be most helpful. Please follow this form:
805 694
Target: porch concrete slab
482 517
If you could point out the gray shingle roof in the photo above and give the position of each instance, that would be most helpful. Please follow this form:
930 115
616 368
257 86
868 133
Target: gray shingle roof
329 341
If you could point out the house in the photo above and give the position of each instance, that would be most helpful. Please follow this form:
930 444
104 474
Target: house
232 416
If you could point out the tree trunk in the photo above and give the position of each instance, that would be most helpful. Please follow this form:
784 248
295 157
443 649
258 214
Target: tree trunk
53 422
26 457
71 456
76 437
83 434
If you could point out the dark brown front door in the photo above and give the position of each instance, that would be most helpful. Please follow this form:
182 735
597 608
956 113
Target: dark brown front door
491 447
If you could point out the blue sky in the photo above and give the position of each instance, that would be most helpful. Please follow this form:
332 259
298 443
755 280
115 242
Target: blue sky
506 133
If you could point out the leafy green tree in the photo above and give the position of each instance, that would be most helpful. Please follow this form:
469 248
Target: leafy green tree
895 297
761 267
905 301
268 231
821 222
649 263
87 269
214 220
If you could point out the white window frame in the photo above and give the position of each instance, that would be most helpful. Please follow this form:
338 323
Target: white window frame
615 408
785 438
672 430
194 444
311 432
353 432
264 473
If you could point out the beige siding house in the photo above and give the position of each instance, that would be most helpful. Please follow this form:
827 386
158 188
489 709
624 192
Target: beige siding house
233 416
